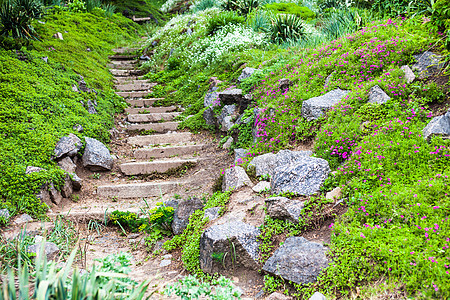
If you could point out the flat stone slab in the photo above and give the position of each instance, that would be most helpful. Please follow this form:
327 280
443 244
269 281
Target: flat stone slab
119 73
141 168
150 110
142 102
315 107
155 127
134 94
123 50
297 260
153 117
123 66
146 153
134 87
137 190
123 57
167 138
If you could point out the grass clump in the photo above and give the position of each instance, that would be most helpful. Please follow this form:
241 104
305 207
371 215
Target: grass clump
291 9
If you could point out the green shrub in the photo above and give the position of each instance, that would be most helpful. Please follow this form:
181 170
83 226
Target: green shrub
292 9
204 4
219 21
16 17
76 6
286 28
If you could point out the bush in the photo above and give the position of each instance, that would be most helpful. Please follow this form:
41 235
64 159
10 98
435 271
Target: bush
221 20
287 28
16 17
292 9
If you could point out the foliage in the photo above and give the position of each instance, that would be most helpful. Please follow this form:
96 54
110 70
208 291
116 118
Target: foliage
291 8
287 28
191 288
16 17
221 20
117 264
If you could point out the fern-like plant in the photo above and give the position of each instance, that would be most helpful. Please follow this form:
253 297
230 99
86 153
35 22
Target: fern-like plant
287 28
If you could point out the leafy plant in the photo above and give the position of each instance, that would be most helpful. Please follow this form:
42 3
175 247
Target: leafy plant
291 8
287 28
219 21
191 288
16 17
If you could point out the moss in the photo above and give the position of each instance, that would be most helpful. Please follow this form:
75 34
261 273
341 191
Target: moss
140 9
291 8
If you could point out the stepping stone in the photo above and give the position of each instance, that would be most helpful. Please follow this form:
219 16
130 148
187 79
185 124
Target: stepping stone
134 87
119 73
146 153
122 66
126 62
137 190
150 110
123 56
124 50
156 127
142 168
168 138
154 117
129 79
133 94
142 102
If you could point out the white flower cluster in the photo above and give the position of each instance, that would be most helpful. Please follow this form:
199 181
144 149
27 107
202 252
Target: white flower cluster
229 39
169 4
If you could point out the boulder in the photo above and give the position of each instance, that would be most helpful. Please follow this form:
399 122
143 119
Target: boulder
427 64
50 249
4 213
31 169
304 177
22 219
67 189
44 195
67 146
227 111
284 208
211 97
246 73
377 95
438 126
277 296
262 186
208 115
287 157
96 156
297 260
235 96
228 143
226 123
336 193
409 75
67 165
239 155
236 243
212 213
182 213
91 107
284 84
317 296
76 182
55 195
235 178
314 108
265 164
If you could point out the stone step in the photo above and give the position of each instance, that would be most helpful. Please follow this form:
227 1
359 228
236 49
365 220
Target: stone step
122 66
134 87
120 73
133 94
150 110
128 79
142 102
160 152
123 62
144 168
153 117
167 138
122 50
137 190
154 127
123 56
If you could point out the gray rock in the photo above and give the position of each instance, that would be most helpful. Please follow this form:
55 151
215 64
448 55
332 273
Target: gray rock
55 195
336 193
96 156
38 239
82 85
314 108
231 242
265 164
226 124
67 145
208 115
235 178
67 189
305 177
58 36
297 260
22 219
76 182
182 213
377 95
262 186
232 96
50 249
212 213
317 296
277 296
409 75
287 157
427 64
44 195
438 126
4 213
165 263
210 97
45 58
31 169
78 127
246 73
91 107
284 208
284 84
75 88
239 155
67 165
227 111
228 143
